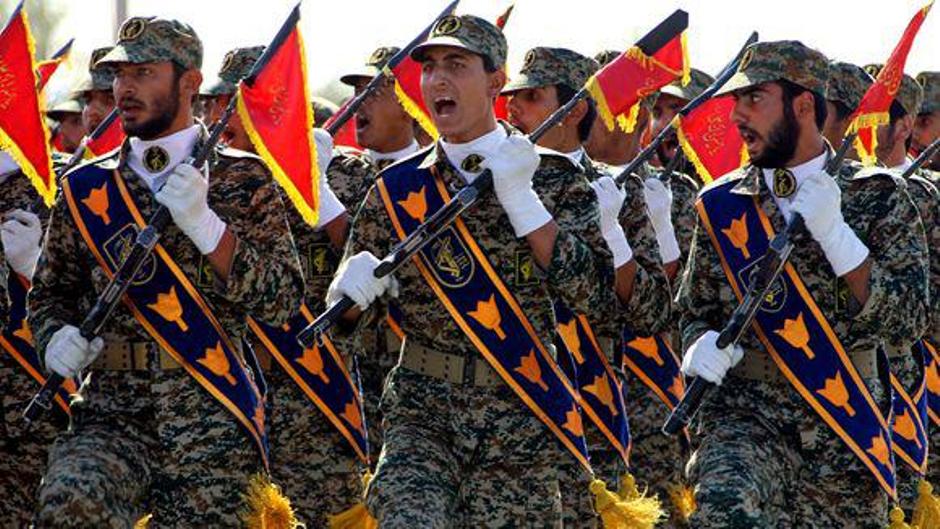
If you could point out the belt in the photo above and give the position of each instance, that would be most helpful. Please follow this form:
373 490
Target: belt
134 356
454 369
759 366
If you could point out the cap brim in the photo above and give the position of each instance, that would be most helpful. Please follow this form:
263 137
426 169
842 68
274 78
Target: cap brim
122 54
450 42
366 72
219 88
677 91
738 81
521 82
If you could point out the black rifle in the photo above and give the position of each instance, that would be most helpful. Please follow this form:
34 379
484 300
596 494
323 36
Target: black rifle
922 158
761 282
468 196
149 236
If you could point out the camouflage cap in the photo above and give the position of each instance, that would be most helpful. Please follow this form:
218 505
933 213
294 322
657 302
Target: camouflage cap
372 67
930 82
323 110
764 62
698 82
61 108
153 39
847 83
873 69
100 76
470 33
552 66
236 65
910 95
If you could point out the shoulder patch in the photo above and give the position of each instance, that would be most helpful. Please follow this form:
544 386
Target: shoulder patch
108 160
862 173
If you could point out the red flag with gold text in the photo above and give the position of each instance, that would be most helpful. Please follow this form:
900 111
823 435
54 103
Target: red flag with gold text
710 140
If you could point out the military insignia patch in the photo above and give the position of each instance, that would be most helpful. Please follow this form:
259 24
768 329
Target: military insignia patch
775 298
746 60
450 260
119 246
227 62
472 163
529 59
525 269
873 69
205 277
132 29
156 159
379 56
321 260
98 54
784 183
447 26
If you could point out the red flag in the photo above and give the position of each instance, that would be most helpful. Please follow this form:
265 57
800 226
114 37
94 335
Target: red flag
110 139
873 110
274 106
656 60
710 140
407 75
23 131
346 135
501 105
46 68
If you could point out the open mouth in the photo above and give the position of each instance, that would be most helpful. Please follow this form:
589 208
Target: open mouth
444 106
362 121
129 108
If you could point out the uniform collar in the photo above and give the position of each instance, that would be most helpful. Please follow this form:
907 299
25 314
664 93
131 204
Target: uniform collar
455 153
395 156
177 147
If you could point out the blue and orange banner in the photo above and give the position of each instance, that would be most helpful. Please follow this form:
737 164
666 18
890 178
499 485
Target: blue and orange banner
909 414
23 131
932 376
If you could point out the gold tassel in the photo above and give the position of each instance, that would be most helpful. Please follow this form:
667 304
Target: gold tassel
683 499
638 511
143 523
357 516
267 507
897 519
926 508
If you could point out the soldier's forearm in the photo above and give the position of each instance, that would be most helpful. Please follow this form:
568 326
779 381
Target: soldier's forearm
858 281
625 278
542 244
337 229
222 257
672 270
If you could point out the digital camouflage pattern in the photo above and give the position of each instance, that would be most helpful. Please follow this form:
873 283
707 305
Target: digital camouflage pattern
930 82
764 62
408 485
155 39
750 432
910 95
927 200
698 82
236 65
847 84
23 451
100 77
545 66
469 32
160 410
373 66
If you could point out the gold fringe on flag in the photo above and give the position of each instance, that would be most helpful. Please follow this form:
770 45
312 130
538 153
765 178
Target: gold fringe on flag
603 109
143 523
682 498
686 64
627 509
267 507
872 121
414 110
357 516
926 508
690 153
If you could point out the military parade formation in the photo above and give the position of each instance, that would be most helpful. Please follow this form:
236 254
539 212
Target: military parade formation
610 291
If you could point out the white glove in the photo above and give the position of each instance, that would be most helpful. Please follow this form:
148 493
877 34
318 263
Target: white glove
355 278
610 199
513 165
819 202
704 358
184 194
68 352
21 236
324 149
659 202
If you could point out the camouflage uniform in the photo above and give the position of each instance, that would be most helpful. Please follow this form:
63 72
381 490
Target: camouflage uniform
473 448
766 459
23 450
648 309
847 84
146 437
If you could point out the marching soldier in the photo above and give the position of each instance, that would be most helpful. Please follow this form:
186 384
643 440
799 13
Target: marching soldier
927 125
169 419
797 433
69 129
386 132
310 459
461 449
323 110
95 91
844 91
549 79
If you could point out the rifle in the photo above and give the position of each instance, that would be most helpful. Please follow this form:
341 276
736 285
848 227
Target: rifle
922 158
463 200
148 237
761 282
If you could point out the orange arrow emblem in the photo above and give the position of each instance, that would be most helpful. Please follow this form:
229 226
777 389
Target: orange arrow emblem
312 361
737 234
97 203
905 427
487 314
648 347
530 369
415 204
796 334
573 422
879 449
569 336
835 392
601 389
216 362
353 416
169 308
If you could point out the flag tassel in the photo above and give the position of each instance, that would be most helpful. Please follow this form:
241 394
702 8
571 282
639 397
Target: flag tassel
926 508
627 509
267 507
357 516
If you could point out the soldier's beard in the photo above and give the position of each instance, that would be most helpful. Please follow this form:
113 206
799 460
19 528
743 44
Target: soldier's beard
781 142
164 111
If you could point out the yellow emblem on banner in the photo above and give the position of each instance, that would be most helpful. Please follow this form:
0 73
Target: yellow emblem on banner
836 393
602 390
529 368
216 361
795 333
569 336
737 234
97 203
487 315
312 361
169 308
648 347
415 204
573 422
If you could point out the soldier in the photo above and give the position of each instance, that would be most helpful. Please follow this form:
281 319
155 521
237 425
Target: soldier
323 110
386 131
68 131
460 448
23 451
927 125
549 79
894 142
95 91
815 454
310 459
169 419
844 91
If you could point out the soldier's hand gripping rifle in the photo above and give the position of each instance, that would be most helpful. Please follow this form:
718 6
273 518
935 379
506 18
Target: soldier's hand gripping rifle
148 237
761 282
925 156
466 197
